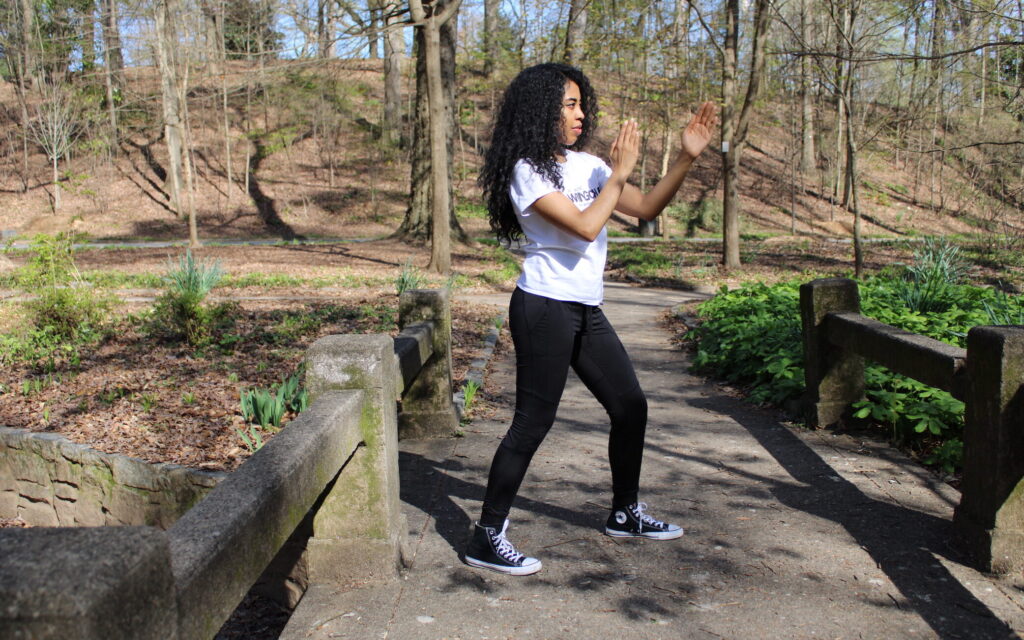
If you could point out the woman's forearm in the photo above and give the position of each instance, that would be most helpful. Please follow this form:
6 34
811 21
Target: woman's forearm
649 205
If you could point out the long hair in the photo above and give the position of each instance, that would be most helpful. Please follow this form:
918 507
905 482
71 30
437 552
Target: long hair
528 128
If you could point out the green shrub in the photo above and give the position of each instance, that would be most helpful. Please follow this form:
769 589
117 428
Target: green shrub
751 336
179 312
64 311
930 282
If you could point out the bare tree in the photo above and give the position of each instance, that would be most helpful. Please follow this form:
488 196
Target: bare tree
55 128
417 223
167 44
735 123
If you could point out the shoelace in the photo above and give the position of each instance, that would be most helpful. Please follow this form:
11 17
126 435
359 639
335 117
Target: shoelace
504 548
646 519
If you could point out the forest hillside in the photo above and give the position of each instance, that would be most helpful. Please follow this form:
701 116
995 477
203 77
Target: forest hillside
310 144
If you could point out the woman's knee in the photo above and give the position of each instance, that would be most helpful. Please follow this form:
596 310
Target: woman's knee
631 408
528 430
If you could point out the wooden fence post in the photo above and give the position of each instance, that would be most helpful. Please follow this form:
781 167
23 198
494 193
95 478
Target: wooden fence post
990 516
834 376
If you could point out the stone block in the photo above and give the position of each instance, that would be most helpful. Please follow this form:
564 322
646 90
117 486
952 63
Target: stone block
28 466
7 481
88 584
72 451
65 490
127 507
13 438
89 511
37 514
67 512
47 445
363 502
8 504
130 472
35 492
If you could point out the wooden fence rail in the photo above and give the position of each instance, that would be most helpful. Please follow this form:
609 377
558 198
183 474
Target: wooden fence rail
988 377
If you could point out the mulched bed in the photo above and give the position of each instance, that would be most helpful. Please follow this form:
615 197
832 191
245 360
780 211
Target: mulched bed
161 401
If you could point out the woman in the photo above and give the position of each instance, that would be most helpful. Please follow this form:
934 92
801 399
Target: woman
539 183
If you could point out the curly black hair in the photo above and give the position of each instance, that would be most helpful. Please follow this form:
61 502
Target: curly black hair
528 128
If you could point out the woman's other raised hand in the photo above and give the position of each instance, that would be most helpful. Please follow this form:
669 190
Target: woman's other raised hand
626 149
698 133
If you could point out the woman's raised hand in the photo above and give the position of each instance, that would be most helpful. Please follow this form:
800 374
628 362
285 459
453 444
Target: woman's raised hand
626 148
697 134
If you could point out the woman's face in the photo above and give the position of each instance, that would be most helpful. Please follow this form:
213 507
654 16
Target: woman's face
572 115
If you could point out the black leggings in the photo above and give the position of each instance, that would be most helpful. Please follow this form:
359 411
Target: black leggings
550 336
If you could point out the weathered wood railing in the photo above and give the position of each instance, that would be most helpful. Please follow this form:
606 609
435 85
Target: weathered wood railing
328 483
988 377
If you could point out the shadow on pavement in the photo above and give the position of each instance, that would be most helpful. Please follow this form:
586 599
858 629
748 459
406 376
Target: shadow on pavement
903 542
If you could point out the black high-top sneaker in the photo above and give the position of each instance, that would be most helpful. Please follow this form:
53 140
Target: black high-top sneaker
490 549
632 522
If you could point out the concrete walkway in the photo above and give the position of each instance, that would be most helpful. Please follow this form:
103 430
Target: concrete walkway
789 533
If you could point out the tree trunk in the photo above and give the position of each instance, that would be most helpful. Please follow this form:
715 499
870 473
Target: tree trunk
575 31
854 204
112 41
730 163
394 50
108 83
373 33
56 185
807 161
490 35
324 29
166 10
440 245
734 127
28 19
417 223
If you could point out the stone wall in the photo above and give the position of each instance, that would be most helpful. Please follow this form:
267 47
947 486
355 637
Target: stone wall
49 481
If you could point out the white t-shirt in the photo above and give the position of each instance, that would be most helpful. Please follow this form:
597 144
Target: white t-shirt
559 264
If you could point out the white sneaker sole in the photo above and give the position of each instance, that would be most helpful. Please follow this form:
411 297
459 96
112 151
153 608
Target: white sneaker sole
524 570
652 535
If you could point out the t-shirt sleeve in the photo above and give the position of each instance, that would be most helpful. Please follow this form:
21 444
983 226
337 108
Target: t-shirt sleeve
528 186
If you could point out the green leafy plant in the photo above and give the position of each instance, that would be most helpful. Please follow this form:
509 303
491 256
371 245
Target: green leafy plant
268 406
188 398
65 312
147 401
751 336
930 282
409 278
263 407
469 395
180 311
251 438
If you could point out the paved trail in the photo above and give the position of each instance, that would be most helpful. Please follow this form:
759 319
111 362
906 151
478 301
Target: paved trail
790 533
